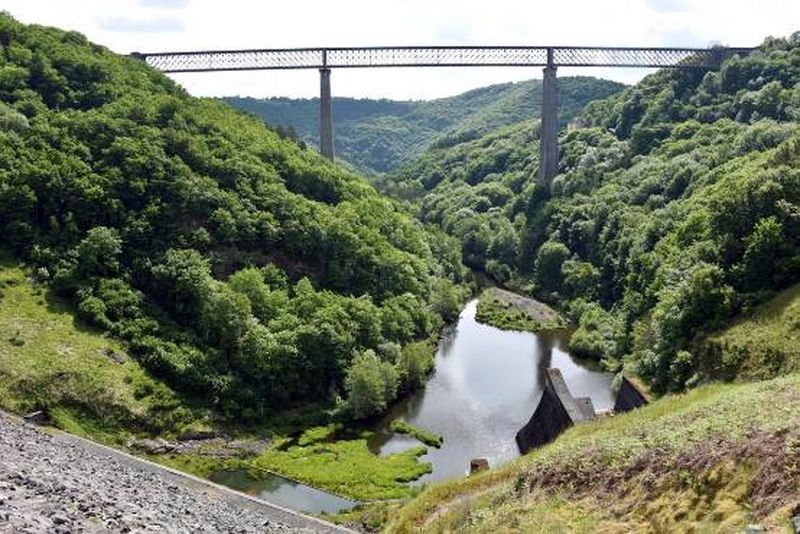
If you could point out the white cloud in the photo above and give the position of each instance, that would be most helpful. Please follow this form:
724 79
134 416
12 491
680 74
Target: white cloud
210 24
151 25
167 4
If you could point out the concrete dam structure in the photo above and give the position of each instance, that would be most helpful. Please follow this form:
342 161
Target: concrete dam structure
558 410
629 397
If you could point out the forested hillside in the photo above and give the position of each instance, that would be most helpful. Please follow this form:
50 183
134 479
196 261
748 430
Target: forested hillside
247 273
378 135
677 205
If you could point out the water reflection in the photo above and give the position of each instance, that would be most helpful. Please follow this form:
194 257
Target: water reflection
283 492
486 385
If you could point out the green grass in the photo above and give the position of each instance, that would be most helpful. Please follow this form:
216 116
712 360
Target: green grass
401 426
717 457
759 344
197 464
50 360
505 316
496 311
371 516
341 462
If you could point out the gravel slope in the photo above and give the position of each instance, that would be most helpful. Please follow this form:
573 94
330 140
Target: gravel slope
60 483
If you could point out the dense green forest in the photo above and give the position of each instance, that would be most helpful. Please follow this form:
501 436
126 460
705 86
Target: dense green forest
169 264
379 135
239 268
676 206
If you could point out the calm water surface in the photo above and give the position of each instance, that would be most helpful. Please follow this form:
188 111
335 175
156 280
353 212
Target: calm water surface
284 492
486 385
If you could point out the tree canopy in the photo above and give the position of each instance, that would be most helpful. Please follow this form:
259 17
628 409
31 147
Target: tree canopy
676 206
239 266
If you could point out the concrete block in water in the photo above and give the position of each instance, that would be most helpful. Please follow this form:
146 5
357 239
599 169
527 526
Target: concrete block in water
478 464
629 397
557 410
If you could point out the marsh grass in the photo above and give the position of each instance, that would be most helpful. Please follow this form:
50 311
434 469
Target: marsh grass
340 461
401 426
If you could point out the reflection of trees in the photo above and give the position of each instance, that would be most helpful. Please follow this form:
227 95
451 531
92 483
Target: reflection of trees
449 335
450 332
544 347
252 481
407 408
270 483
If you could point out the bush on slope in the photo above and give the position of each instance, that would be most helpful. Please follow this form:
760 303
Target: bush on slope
237 266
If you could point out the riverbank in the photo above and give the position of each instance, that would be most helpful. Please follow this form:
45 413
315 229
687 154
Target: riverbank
329 458
483 389
717 458
55 482
88 385
511 311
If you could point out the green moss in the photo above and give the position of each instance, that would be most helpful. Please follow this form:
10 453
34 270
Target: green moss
401 426
344 465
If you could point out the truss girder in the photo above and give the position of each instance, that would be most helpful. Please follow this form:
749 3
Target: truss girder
439 56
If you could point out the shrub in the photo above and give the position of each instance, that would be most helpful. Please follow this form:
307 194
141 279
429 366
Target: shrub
371 384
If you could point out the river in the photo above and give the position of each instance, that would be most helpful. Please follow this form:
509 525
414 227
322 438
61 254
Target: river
486 384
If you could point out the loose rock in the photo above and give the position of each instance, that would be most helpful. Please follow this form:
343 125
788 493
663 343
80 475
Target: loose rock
85 488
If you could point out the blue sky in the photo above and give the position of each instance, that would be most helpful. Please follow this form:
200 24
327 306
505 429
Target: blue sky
156 25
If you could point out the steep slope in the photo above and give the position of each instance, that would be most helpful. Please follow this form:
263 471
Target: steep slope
671 236
716 459
478 191
759 343
237 267
80 376
675 207
378 135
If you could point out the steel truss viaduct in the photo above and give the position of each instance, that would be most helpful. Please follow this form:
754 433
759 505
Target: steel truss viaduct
548 57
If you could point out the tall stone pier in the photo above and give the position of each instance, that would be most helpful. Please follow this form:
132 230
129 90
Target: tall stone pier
548 142
325 114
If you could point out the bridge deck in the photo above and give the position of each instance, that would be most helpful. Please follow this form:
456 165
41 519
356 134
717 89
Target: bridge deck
438 56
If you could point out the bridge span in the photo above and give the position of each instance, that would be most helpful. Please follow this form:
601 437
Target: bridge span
548 57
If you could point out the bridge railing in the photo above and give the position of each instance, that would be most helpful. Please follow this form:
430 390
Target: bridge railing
438 56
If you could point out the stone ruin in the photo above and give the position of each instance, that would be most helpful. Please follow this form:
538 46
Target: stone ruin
477 465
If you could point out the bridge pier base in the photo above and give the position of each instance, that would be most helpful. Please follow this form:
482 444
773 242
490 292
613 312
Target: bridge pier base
548 133
325 114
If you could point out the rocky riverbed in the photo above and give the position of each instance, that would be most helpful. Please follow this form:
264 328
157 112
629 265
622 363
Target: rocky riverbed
59 483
